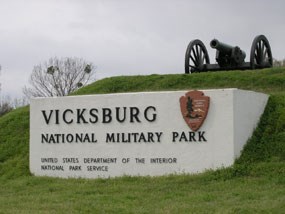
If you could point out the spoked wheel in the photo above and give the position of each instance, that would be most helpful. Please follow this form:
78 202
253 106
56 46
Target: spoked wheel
196 57
260 54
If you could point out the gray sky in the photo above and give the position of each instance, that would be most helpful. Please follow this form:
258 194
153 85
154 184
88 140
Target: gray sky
127 37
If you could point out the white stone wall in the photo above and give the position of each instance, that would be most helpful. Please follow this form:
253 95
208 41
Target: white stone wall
233 114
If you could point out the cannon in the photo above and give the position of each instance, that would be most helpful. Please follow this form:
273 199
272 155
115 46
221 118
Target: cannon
228 57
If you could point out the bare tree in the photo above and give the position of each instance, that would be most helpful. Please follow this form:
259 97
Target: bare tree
59 77
19 102
5 108
5 105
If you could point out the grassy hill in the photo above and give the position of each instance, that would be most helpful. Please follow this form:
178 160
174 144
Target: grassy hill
254 184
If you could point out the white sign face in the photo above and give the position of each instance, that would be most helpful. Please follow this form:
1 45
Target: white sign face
138 134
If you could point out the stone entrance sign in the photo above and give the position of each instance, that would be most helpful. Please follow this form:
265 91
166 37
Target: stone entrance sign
138 134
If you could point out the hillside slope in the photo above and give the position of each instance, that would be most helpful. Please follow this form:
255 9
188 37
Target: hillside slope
263 157
14 131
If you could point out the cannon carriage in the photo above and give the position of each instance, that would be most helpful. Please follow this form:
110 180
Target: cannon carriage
228 57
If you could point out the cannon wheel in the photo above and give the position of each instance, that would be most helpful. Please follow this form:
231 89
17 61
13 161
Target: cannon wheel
196 56
260 54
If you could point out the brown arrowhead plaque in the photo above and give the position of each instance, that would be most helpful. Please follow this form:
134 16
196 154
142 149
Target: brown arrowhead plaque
194 108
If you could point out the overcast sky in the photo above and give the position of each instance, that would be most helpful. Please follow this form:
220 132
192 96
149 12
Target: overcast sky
127 37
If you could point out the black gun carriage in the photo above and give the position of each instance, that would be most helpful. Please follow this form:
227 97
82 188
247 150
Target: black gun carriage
228 57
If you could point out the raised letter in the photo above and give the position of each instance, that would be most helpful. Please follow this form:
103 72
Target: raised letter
201 136
80 115
107 118
174 136
45 138
47 119
158 134
64 116
110 137
183 137
153 118
78 137
69 138
93 113
118 114
134 112
57 116
192 136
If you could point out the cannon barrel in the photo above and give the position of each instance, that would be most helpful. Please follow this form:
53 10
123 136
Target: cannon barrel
228 55
222 47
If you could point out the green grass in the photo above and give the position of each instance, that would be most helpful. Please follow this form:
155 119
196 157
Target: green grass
266 80
254 184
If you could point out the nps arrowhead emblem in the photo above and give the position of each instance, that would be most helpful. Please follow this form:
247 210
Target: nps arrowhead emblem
194 108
